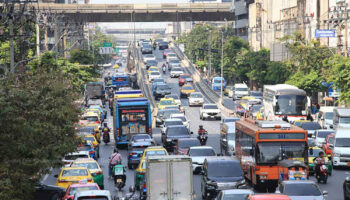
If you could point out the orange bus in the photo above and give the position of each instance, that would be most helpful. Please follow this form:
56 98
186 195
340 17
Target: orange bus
261 145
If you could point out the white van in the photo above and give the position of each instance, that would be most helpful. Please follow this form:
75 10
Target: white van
341 149
239 90
325 117
341 117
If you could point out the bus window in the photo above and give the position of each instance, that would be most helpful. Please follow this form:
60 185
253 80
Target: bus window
272 152
133 117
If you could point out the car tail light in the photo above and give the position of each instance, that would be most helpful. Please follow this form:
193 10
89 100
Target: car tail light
257 168
149 130
89 180
66 162
130 154
98 122
91 152
99 173
62 181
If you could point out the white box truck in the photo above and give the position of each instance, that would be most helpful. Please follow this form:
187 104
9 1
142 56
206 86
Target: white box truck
169 177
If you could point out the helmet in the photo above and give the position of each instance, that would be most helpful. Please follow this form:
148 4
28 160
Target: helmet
200 126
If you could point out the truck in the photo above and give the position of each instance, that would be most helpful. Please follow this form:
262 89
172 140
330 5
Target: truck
169 177
94 90
341 117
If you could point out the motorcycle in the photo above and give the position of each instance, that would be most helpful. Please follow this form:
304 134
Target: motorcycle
119 176
164 70
106 138
322 174
203 137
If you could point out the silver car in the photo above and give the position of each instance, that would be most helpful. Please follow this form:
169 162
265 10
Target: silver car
302 190
237 194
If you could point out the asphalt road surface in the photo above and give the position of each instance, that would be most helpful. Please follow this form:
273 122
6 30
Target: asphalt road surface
333 186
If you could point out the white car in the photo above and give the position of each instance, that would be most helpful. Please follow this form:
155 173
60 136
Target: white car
154 75
198 154
176 72
196 98
321 135
148 57
71 157
170 56
209 111
175 97
170 122
183 119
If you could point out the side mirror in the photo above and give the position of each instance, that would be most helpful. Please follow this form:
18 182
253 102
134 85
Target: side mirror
331 126
325 192
56 175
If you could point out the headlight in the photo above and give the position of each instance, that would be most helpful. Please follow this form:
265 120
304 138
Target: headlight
168 140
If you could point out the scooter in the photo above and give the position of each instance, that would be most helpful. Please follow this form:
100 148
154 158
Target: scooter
119 176
106 138
203 137
322 174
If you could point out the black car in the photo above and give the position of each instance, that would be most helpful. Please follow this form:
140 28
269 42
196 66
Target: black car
172 134
48 192
150 63
161 90
220 173
146 49
163 45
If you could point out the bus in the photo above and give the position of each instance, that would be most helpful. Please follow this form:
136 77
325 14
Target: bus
282 99
131 116
262 145
120 80
216 83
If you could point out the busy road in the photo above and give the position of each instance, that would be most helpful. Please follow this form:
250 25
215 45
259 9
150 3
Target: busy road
333 186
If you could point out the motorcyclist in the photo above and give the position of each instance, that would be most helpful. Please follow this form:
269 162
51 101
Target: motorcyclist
114 159
164 68
319 161
105 131
202 132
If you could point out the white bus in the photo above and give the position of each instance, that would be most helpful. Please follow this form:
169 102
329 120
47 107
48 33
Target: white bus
282 99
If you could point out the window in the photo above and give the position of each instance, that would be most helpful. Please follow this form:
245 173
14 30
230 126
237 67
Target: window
89 165
133 116
247 143
74 172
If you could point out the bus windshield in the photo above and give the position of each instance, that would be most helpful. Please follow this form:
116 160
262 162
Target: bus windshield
290 104
272 152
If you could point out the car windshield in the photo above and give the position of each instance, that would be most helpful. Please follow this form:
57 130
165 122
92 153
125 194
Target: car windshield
201 152
73 190
177 131
84 148
152 62
172 123
158 80
75 172
225 169
146 45
171 55
185 76
167 113
167 102
155 73
235 196
174 61
328 115
301 189
342 142
183 118
89 129
310 126
344 120
272 152
256 94
141 137
185 144
90 118
196 95
153 69
324 134
187 88
163 87
93 198
172 96
89 165
290 104
156 153
74 157
241 89
176 69
210 107
218 81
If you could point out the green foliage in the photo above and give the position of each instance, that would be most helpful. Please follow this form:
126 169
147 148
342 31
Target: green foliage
81 56
340 75
97 39
310 82
36 118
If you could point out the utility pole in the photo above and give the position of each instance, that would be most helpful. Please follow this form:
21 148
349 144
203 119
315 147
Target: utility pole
222 66
46 39
37 36
209 54
65 43
12 50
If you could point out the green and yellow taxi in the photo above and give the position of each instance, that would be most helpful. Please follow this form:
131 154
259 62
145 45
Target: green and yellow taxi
228 89
70 175
96 126
313 153
94 142
152 69
93 167
140 173
166 102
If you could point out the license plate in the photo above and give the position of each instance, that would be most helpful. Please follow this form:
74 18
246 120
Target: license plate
119 180
297 175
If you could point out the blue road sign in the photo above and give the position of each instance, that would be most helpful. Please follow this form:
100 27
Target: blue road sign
325 33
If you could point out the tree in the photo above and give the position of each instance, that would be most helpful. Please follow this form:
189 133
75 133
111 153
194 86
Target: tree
81 56
340 76
310 82
37 118
97 39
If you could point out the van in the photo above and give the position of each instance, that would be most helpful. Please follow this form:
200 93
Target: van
341 149
325 117
341 117
216 83
240 90
227 138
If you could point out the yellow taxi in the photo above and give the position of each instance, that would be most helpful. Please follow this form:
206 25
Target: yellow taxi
97 133
91 117
166 102
95 110
152 69
93 167
116 66
228 89
260 114
70 175
154 151
186 90
91 139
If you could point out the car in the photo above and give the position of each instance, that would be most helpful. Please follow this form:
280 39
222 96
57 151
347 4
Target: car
236 194
77 187
175 97
163 45
313 154
153 75
97 111
158 80
220 173
172 134
183 118
88 147
93 167
71 157
248 101
176 72
170 56
44 192
302 190
253 110
228 89
164 102
135 152
162 115
268 197
101 109
183 145
91 117
91 102
195 99
165 52
185 79
92 140
311 128
328 146
152 69
154 85
154 151
170 122
140 174
161 90
93 195
146 48
321 135
141 138
69 175
346 188
186 90
198 154
210 111
174 63
148 57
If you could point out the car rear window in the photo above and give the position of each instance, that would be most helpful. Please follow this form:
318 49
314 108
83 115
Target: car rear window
156 153
202 152
172 123
177 131
310 126
75 172
300 189
73 190
324 134
89 165
210 107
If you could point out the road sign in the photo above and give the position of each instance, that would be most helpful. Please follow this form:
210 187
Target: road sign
324 33
106 50
105 44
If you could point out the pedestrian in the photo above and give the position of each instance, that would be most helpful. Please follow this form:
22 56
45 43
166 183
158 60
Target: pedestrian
114 159
313 108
